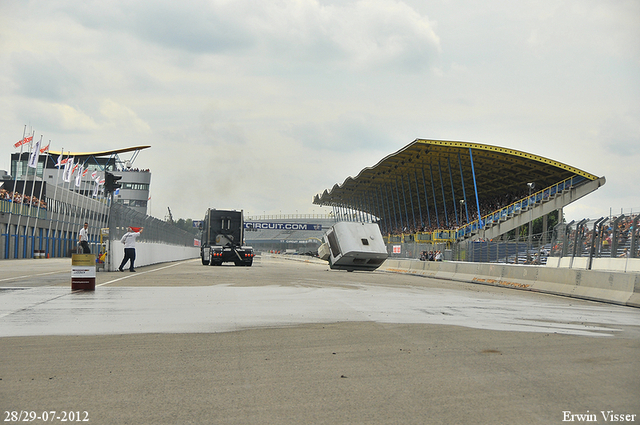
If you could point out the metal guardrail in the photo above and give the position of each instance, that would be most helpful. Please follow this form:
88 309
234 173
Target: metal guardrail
509 251
520 206
612 237
155 230
29 232
9 207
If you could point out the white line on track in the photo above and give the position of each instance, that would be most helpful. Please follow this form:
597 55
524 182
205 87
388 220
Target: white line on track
139 273
32 275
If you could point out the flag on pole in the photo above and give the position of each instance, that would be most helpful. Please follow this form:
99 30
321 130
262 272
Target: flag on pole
46 148
94 175
66 175
24 141
35 154
79 176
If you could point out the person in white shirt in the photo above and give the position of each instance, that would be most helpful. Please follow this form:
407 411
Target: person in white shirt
129 241
83 239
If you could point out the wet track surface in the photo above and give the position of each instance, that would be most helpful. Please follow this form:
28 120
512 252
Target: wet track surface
188 297
290 342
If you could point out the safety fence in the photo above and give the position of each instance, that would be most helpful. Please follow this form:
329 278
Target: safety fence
514 250
9 207
612 237
28 232
155 230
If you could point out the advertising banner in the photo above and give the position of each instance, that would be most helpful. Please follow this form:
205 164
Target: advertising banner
263 225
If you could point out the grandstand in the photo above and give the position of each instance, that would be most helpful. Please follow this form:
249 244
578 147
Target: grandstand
443 192
41 213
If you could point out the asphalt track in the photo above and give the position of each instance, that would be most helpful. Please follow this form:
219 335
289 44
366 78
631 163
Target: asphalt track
293 342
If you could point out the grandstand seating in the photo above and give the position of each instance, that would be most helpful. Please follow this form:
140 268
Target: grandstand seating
519 206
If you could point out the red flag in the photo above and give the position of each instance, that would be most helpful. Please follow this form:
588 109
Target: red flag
23 142
46 148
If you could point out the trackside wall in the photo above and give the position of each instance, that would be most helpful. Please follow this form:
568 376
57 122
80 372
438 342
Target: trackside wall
150 253
604 286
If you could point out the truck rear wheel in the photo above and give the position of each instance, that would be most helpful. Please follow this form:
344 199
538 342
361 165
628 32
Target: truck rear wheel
205 262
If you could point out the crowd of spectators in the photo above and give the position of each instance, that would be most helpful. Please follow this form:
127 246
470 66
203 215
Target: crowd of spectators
623 231
19 198
431 256
486 207
133 169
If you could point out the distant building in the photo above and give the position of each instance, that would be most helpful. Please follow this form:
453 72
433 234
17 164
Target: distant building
135 183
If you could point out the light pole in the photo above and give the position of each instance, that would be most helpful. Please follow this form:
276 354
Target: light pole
531 187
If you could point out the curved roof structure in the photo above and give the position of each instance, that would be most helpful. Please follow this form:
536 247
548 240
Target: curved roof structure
102 153
430 175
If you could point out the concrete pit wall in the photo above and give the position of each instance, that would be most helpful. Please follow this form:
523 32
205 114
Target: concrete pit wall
150 253
605 286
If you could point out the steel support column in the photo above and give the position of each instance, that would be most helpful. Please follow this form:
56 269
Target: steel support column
453 194
415 174
426 196
475 187
464 192
444 200
433 189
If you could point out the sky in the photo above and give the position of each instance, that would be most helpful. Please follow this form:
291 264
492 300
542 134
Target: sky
260 105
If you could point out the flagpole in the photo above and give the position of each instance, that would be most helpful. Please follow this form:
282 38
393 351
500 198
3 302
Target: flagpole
104 208
71 194
13 192
24 186
84 202
90 195
67 179
55 191
35 226
33 163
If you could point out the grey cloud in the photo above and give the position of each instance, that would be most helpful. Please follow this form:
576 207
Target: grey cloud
43 77
351 34
193 26
620 136
346 134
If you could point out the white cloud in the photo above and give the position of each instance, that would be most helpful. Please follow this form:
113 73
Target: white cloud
262 105
122 117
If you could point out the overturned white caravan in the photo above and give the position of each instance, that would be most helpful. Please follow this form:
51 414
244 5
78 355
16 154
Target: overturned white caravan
353 246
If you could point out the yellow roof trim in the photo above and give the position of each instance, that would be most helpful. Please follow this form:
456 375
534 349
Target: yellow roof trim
508 151
101 153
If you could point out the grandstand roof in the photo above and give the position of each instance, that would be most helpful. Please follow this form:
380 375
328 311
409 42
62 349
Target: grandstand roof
102 153
433 167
